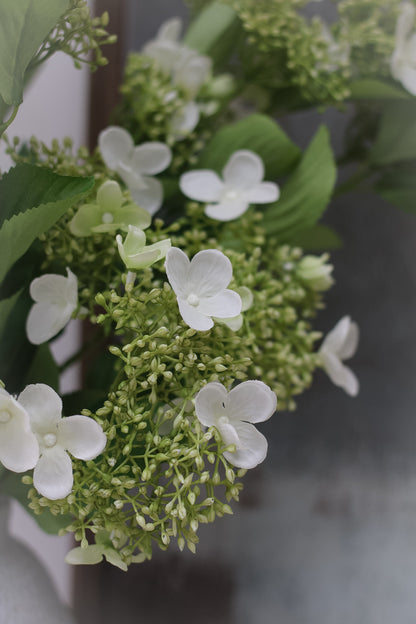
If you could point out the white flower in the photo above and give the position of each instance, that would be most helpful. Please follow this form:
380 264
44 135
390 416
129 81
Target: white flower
19 449
232 414
236 322
184 121
185 66
56 299
242 185
315 272
136 165
201 286
340 344
136 254
403 59
94 553
80 435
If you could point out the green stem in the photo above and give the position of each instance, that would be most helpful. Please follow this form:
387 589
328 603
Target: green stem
6 124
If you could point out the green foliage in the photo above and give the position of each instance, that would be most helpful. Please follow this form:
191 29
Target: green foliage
396 140
306 194
399 189
258 133
318 238
24 26
214 32
33 199
373 89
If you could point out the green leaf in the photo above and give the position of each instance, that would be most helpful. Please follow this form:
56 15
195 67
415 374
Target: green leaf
11 485
307 192
258 133
396 140
399 189
33 199
43 368
214 32
6 307
23 27
376 90
318 238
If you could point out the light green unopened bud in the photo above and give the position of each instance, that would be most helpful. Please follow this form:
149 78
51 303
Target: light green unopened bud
315 272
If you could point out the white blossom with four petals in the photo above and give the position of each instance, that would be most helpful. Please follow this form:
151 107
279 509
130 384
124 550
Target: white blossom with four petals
19 448
200 286
241 186
56 299
136 165
186 67
233 414
340 344
403 59
79 435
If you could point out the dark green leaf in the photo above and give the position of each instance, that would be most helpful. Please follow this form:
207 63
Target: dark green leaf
11 485
376 90
318 238
399 189
258 133
23 27
214 32
43 368
6 307
33 199
306 194
396 140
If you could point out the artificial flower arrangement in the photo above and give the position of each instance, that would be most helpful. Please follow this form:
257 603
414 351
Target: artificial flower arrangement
180 241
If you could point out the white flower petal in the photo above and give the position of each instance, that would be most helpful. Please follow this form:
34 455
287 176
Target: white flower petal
19 449
193 73
407 76
177 270
114 558
226 304
81 436
226 211
262 193
193 317
57 298
252 447
243 170
85 556
109 196
45 321
350 344
184 120
337 340
209 403
338 373
210 272
43 405
170 30
246 297
115 145
227 432
55 289
52 476
234 323
151 158
150 197
201 185
251 401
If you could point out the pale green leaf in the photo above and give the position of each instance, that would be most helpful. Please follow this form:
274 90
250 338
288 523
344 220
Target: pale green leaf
259 134
33 199
24 24
376 90
306 194
214 32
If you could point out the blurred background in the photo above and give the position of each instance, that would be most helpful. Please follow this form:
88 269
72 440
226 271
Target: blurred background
325 532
